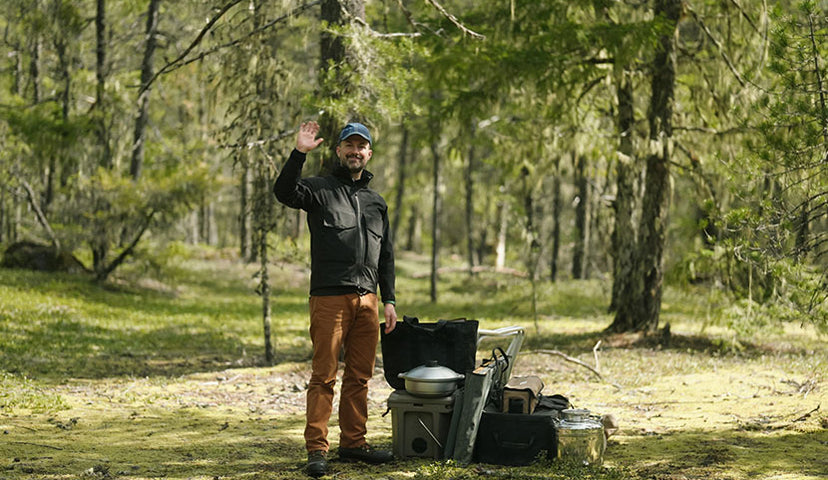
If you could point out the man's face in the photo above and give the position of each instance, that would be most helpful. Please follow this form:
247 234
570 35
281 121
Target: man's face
354 153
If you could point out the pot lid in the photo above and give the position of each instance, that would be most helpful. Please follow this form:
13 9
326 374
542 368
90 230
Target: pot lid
431 372
575 414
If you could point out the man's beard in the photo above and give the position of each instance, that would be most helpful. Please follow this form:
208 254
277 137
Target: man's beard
354 167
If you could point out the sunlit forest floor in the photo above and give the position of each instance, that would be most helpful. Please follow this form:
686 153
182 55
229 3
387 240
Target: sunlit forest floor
165 378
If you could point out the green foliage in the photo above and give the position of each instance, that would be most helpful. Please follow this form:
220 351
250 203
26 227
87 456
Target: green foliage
771 242
538 86
100 210
43 127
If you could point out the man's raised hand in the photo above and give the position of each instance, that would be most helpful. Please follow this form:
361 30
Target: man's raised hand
306 139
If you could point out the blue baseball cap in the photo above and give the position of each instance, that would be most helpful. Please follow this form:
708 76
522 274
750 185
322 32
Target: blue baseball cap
355 128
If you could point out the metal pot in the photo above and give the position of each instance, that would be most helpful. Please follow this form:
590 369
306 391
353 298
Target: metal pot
431 380
581 437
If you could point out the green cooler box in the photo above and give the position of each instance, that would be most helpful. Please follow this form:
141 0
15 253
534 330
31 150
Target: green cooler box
419 426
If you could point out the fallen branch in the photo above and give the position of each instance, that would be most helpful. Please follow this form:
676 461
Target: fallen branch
38 445
806 416
571 359
574 360
595 351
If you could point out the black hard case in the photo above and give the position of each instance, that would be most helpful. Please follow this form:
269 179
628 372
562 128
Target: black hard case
515 438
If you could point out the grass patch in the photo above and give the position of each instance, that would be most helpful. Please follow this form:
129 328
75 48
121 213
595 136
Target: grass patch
165 378
19 393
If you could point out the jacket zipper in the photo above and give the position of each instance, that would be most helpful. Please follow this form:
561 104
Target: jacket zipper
362 240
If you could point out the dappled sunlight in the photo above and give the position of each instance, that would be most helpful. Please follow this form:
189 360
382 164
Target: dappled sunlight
707 454
182 442
143 384
70 327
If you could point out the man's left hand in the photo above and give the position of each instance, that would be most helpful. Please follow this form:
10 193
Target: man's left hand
390 317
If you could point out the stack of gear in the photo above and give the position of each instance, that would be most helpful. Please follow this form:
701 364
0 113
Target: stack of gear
426 364
445 407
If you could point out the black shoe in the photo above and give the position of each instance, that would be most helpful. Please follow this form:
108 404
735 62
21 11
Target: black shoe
365 454
317 463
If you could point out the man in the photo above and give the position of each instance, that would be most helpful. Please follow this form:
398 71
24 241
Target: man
351 253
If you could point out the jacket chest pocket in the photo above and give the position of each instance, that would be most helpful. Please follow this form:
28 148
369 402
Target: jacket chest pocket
339 219
339 236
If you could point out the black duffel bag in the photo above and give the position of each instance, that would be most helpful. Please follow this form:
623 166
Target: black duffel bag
452 343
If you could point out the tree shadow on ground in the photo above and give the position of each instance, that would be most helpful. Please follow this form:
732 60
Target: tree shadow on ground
710 345
701 454
81 351
72 327
124 441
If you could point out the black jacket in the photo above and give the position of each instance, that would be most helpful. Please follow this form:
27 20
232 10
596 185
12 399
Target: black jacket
351 248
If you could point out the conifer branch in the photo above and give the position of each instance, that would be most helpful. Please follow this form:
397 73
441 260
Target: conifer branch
718 45
180 62
454 20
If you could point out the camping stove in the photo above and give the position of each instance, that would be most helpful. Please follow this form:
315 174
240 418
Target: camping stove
419 425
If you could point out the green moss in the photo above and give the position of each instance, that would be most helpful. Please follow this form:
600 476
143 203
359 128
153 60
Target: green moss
21 394
144 379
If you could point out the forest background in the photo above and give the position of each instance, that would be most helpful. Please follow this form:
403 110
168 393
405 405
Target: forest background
553 138
635 143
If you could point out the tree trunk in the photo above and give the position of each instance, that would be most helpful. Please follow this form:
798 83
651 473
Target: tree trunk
556 222
469 180
34 74
139 135
333 55
264 211
503 226
651 240
3 214
435 220
264 286
34 67
17 67
204 221
802 232
482 242
646 302
8 229
297 223
100 251
581 204
402 173
63 172
623 236
100 86
49 182
244 236
533 246
414 231
17 208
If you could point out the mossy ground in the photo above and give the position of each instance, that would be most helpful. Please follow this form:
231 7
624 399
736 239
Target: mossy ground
165 380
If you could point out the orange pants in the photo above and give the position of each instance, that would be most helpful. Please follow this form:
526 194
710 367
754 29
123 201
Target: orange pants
337 322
